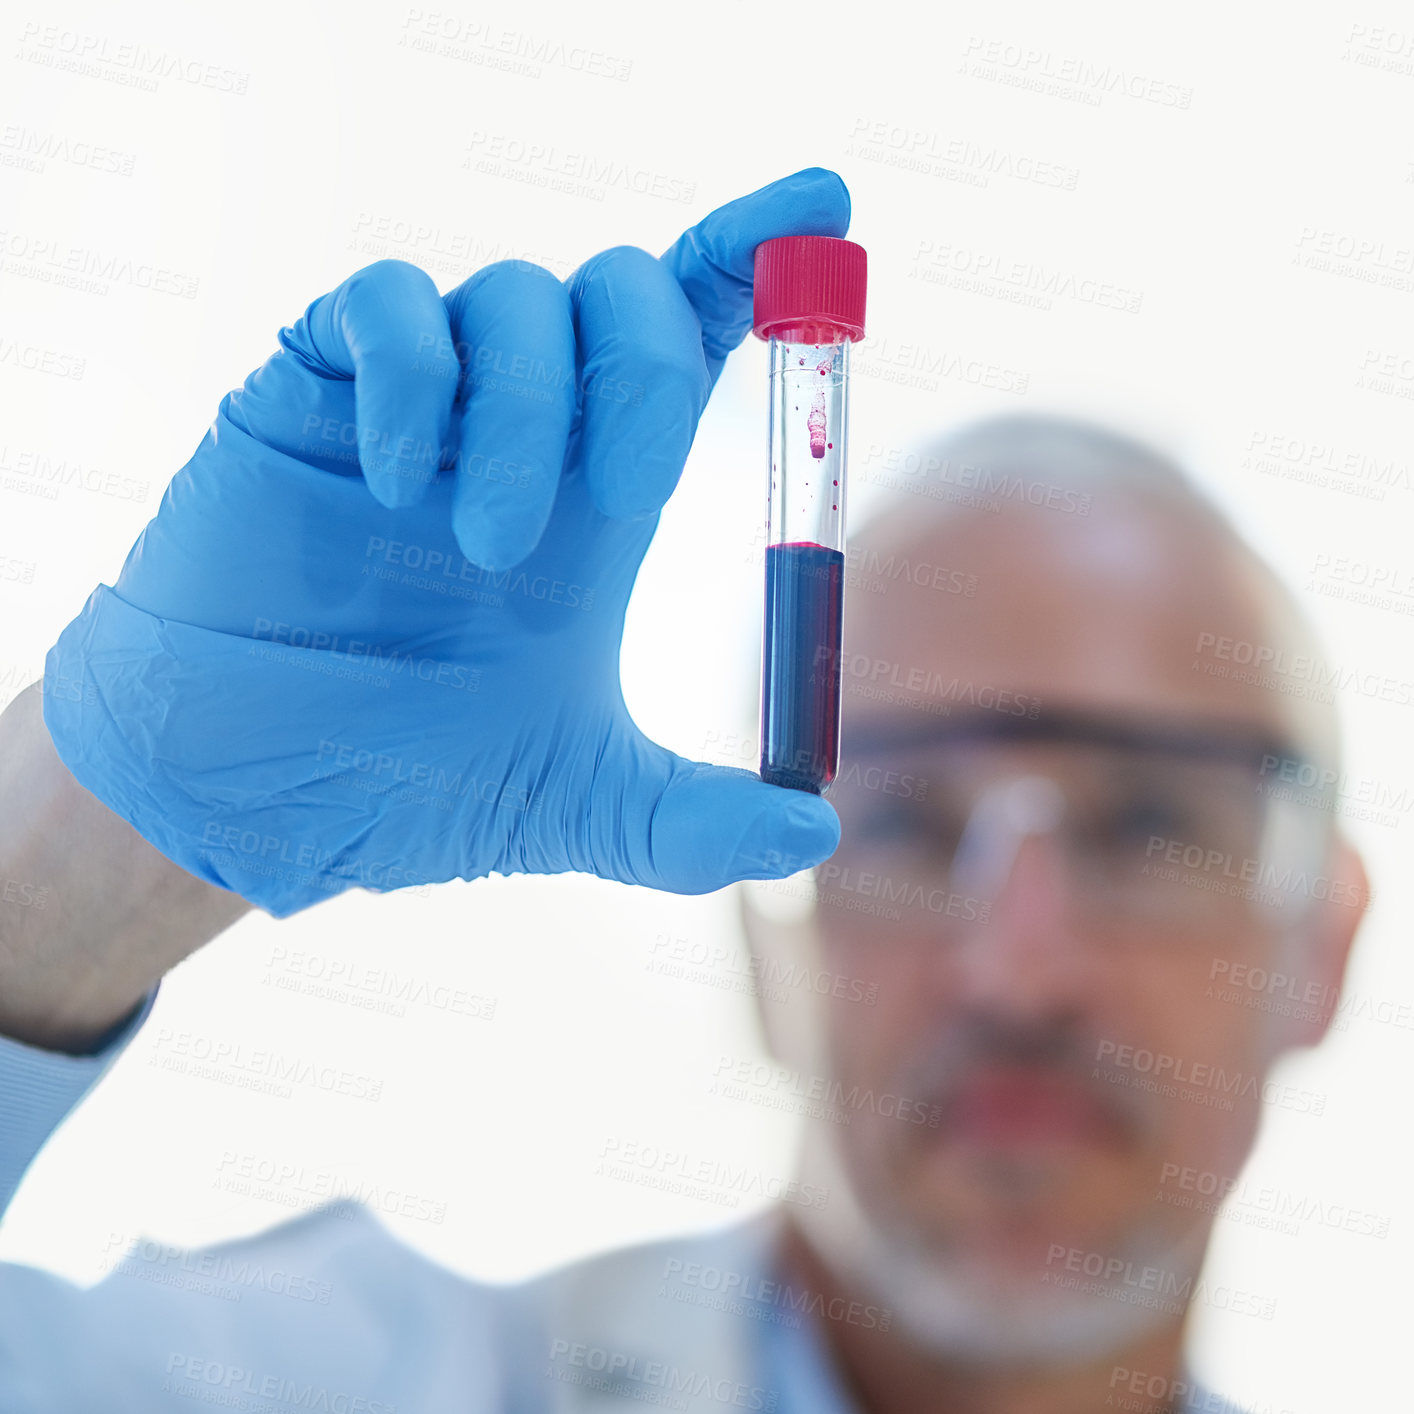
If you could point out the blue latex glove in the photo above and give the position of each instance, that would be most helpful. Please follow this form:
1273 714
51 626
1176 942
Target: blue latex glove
371 636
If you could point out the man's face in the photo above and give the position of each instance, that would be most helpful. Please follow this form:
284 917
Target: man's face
1023 781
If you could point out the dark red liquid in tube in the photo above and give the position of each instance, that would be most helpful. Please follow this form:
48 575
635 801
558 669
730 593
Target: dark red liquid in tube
800 699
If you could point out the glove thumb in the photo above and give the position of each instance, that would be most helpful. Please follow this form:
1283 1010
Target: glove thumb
717 825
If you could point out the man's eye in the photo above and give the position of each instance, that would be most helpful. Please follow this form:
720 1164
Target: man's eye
882 825
1139 821
900 826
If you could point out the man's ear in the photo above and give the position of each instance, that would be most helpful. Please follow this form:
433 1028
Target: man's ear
1324 946
778 919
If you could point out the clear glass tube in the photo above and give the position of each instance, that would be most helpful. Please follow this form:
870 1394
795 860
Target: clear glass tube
805 519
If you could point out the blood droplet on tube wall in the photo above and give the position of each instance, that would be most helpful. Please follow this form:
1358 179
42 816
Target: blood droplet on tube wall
809 303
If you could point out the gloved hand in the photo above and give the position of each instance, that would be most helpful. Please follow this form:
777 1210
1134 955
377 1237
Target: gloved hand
371 636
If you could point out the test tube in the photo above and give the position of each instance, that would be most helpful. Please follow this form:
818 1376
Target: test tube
809 303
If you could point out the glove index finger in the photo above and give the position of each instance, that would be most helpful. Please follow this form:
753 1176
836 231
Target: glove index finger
713 261
387 328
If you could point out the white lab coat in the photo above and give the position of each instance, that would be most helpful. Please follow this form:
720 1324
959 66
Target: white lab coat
330 1314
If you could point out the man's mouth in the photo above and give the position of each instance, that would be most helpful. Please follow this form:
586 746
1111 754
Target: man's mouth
1019 1107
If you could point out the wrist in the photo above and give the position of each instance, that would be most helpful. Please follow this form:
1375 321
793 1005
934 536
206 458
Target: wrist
91 915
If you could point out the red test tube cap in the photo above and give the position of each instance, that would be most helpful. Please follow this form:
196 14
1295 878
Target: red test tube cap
809 289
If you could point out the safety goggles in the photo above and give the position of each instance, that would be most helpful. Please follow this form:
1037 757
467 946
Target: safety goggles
1161 828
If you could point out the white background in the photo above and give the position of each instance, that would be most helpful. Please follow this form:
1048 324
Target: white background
1295 136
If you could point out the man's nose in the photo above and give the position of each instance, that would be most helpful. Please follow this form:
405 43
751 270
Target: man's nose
1031 959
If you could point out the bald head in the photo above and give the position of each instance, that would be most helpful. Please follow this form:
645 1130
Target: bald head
1058 560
